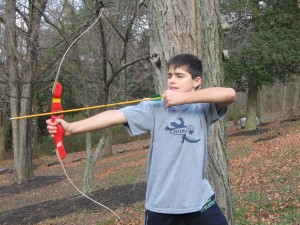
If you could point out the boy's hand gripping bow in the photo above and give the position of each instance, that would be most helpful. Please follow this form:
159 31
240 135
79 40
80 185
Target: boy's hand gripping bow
58 139
57 107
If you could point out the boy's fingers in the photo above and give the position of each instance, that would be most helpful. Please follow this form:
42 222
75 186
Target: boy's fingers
51 129
49 122
55 122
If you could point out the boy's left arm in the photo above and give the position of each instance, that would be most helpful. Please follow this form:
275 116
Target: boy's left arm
221 96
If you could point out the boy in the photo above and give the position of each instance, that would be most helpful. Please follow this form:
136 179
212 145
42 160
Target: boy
177 191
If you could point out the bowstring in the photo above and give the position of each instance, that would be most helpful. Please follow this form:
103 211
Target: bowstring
53 90
83 194
71 45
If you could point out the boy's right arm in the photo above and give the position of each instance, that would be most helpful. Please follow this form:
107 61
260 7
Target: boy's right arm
97 122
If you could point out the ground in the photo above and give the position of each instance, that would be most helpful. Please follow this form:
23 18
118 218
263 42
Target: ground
264 170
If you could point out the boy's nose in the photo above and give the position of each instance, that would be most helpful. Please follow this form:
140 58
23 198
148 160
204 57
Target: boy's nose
172 79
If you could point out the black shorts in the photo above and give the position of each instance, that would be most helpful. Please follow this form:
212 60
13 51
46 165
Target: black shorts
210 214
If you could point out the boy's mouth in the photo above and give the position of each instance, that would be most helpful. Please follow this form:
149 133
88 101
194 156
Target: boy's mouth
173 88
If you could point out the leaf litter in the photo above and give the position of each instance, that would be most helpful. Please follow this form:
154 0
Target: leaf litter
264 173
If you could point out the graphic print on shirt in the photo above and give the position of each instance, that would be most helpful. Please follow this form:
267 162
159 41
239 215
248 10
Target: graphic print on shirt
183 130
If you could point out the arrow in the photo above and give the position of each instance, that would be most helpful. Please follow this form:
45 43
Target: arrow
86 108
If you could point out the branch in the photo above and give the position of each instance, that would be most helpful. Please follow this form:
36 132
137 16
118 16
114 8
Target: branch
14 47
113 26
127 33
23 16
125 66
77 32
2 20
53 25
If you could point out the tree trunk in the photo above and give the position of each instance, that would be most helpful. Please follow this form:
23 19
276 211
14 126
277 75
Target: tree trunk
91 161
218 168
173 30
35 135
251 106
283 97
107 150
258 108
235 114
89 166
22 157
3 128
21 69
295 102
210 46
106 73
177 28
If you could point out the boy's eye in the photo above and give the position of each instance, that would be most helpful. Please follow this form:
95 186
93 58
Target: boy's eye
169 76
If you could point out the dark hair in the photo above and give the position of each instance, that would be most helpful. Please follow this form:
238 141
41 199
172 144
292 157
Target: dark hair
191 62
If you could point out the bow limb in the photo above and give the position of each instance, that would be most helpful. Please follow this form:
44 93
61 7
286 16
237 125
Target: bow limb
57 94
56 107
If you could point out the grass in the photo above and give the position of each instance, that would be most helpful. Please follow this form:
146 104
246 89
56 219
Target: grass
265 177
252 197
240 151
129 176
269 172
268 192
108 221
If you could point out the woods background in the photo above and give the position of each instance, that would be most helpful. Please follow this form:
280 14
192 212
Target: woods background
122 57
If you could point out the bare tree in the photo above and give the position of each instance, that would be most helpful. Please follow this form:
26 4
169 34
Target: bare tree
100 61
116 40
3 128
22 51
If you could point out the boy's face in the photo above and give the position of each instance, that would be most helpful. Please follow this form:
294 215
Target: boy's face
181 80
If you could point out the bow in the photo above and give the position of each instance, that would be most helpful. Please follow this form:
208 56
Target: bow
56 107
58 140
57 94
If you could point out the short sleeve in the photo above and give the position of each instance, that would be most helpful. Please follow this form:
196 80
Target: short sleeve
212 114
139 118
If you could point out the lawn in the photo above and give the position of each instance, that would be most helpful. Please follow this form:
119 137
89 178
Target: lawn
264 171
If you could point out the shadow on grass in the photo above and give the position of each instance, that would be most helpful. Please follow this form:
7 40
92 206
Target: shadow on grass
249 133
38 182
112 198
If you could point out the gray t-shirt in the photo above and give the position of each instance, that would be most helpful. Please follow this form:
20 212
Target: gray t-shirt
178 153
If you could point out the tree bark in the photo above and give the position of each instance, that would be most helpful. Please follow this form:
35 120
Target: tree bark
210 46
107 149
91 159
251 106
22 157
21 70
284 97
295 102
3 129
177 28
258 108
173 30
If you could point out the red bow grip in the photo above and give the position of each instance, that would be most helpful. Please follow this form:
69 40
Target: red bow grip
56 106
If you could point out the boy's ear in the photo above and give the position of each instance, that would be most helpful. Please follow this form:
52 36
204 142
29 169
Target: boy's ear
197 82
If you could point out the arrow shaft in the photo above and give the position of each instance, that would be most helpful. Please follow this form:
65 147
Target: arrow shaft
84 108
